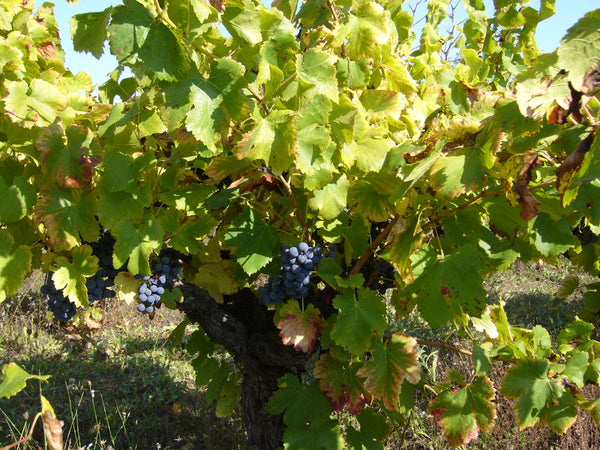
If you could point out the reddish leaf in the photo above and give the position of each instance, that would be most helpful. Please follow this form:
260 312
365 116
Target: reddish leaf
67 156
341 385
462 410
299 328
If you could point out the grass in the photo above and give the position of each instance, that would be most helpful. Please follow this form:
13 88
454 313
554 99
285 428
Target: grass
124 386
121 386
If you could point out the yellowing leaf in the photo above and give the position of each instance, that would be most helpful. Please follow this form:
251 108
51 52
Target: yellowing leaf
216 279
14 379
392 362
35 104
331 200
70 276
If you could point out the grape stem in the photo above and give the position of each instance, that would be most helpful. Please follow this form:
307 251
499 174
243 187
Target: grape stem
444 346
364 258
303 224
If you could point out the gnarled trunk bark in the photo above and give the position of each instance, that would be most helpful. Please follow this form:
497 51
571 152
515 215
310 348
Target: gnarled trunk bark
247 331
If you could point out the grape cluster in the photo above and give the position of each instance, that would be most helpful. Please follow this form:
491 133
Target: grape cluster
152 287
294 276
382 276
99 285
62 307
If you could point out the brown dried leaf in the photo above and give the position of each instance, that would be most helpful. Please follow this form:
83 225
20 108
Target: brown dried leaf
53 431
527 200
572 163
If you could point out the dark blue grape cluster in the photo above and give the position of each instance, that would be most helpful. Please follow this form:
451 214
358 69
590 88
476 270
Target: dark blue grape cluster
152 287
293 279
383 278
99 285
58 304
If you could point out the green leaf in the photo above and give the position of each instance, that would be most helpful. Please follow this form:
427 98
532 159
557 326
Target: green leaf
374 428
122 171
447 286
229 396
273 140
135 36
135 243
328 269
331 200
552 238
10 57
14 379
292 398
242 19
464 409
528 382
359 315
253 240
199 120
112 206
391 363
17 199
15 265
162 54
317 68
88 31
326 435
71 276
457 174
481 360
579 50
576 367
380 104
188 236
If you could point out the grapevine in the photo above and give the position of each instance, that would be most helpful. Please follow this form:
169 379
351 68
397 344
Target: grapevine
245 126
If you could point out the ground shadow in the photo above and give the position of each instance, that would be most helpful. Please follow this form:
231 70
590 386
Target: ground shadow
134 403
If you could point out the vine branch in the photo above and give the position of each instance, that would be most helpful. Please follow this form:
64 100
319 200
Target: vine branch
258 97
301 219
364 258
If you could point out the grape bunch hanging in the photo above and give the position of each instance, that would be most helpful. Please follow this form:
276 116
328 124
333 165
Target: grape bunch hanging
153 287
379 276
58 304
99 285
294 276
